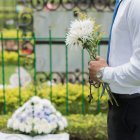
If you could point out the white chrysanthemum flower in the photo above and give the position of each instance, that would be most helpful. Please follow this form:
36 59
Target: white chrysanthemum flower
30 121
53 109
17 112
53 118
58 114
38 107
28 128
61 125
27 105
39 114
10 123
47 111
46 127
38 129
22 127
16 125
79 32
53 125
72 40
64 122
29 112
35 100
46 102
36 121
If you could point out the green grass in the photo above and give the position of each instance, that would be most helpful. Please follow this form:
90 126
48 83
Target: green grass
9 70
7 6
88 127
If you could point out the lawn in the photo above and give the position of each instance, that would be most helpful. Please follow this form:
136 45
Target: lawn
9 70
7 8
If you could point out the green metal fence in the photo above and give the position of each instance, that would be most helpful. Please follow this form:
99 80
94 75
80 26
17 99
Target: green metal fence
49 41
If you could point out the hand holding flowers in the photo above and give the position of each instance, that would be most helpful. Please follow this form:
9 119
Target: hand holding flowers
95 66
85 33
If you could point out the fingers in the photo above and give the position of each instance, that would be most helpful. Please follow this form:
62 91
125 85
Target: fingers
93 78
91 64
89 67
97 58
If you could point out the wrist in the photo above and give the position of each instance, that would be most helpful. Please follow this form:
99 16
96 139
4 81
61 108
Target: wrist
100 73
108 74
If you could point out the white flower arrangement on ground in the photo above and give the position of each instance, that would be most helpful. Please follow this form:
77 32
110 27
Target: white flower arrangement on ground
85 33
37 116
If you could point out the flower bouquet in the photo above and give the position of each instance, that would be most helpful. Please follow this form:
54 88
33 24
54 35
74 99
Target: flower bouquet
37 116
85 33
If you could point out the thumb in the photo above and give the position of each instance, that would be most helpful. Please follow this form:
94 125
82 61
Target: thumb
97 58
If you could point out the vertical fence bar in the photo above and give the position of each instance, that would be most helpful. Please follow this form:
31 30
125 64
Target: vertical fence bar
3 74
83 100
4 13
98 102
50 47
67 80
35 80
19 75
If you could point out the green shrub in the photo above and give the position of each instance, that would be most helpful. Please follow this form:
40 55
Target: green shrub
89 127
75 98
12 58
3 122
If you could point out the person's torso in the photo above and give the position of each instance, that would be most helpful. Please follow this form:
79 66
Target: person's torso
121 48
121 45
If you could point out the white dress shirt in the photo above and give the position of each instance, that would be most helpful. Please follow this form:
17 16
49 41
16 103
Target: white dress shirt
123 73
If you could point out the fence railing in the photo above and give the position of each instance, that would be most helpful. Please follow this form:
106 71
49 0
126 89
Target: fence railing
99 5
53 5
27 57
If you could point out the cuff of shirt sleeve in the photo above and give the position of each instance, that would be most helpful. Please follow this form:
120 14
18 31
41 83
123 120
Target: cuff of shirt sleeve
108 74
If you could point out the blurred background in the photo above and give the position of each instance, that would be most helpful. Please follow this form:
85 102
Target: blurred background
34 60
51 18
55 14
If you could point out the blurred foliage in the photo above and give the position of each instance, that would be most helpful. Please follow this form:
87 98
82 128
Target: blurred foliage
12 58
14 34
81 127
9 58
11 64
9 70
88 127
76 104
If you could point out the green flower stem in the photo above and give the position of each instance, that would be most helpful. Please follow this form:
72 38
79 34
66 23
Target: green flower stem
105 86
110 93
